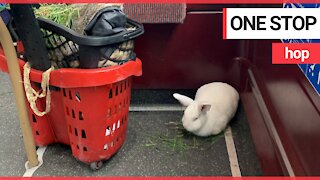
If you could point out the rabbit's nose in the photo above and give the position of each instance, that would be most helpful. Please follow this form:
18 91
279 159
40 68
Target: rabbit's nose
184 124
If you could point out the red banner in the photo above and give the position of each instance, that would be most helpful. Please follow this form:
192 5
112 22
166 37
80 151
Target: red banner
296 53
166 1
161 178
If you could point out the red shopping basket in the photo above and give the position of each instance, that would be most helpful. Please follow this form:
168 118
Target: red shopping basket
89 109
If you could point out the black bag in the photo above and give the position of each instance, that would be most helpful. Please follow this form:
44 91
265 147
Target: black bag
106 22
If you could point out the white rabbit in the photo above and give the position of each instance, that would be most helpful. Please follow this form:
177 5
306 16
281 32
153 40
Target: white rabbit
214 106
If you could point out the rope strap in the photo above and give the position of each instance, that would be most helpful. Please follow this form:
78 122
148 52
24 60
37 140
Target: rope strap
33 95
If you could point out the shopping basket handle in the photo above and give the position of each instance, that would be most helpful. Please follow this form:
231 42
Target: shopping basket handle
91 40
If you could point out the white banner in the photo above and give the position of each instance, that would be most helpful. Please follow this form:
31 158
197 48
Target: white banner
271 23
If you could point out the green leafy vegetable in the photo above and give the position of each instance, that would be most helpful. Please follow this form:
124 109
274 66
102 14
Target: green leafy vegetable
59 13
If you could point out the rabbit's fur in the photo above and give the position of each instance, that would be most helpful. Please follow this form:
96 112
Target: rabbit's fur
214 106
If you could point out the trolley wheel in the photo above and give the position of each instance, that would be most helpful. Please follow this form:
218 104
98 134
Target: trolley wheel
96 165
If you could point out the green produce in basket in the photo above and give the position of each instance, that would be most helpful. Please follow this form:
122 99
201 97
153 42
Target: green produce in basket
59 13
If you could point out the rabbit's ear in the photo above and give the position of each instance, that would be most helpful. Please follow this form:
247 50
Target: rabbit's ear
205 107
184 100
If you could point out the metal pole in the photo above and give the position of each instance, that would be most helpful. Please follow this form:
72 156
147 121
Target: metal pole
15 75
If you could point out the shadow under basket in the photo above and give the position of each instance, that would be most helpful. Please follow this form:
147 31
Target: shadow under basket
89 109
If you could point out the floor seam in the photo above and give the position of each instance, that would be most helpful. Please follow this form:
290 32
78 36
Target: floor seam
232 153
